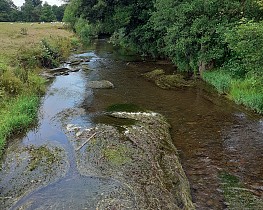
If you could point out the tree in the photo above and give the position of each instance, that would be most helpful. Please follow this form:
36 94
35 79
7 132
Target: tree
194 29
47 14
7 11
31 10
58 11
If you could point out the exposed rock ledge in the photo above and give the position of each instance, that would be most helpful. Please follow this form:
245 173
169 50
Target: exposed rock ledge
140 156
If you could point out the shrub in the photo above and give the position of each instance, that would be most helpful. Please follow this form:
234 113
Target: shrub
10 83
85 30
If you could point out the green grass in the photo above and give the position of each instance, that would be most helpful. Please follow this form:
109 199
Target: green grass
247 91
219 79
17 115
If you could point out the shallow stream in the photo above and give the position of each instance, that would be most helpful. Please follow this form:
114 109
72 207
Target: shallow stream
211 133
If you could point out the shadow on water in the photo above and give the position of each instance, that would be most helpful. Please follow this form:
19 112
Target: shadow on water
210 133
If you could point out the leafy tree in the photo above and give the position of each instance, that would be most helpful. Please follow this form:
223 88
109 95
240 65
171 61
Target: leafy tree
246 44
31 10
58 11
47 14
7 11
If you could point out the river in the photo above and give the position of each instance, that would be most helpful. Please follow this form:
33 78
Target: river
212 134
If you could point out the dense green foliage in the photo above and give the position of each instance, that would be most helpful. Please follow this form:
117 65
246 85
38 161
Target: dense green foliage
7 10
197 35
30 11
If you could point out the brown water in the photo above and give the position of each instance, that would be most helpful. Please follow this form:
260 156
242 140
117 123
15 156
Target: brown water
211 133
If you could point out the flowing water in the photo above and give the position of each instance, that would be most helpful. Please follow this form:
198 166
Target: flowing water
211 133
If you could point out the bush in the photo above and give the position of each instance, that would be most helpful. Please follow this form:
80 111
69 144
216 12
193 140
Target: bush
85 30
246 44
10 83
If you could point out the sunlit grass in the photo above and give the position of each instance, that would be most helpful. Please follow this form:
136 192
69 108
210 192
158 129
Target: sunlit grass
12 40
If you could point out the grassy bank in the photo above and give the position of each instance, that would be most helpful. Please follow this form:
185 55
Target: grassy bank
25 49
246 91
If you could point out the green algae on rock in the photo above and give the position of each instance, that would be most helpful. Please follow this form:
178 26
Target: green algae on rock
167 81
237 196
141 157
28 168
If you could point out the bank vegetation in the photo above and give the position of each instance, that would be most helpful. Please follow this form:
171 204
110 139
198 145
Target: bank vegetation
219 40
24 51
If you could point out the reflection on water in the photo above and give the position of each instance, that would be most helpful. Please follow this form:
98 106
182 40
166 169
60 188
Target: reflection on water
210 133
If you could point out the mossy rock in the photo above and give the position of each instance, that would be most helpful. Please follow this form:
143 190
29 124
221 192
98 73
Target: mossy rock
29 168
153 75
172 81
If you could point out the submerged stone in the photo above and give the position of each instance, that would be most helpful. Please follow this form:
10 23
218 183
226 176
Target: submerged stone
153 75
101 84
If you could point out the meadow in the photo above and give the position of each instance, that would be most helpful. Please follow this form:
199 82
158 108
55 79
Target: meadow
27 48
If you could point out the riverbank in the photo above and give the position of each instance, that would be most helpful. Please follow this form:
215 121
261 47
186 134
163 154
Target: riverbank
25 49
243 91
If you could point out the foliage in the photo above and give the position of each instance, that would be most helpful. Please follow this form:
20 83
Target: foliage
47 14
246 43
58 11
7 10
31 11
85 30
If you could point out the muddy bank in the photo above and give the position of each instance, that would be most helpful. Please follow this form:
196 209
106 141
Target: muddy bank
141 157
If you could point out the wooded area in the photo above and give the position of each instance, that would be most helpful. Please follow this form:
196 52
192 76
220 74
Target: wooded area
196 35
30 11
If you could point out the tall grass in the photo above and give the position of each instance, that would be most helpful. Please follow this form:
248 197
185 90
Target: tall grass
219 79
247 91
16 116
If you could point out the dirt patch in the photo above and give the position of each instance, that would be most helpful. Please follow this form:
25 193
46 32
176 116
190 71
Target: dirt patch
141 157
